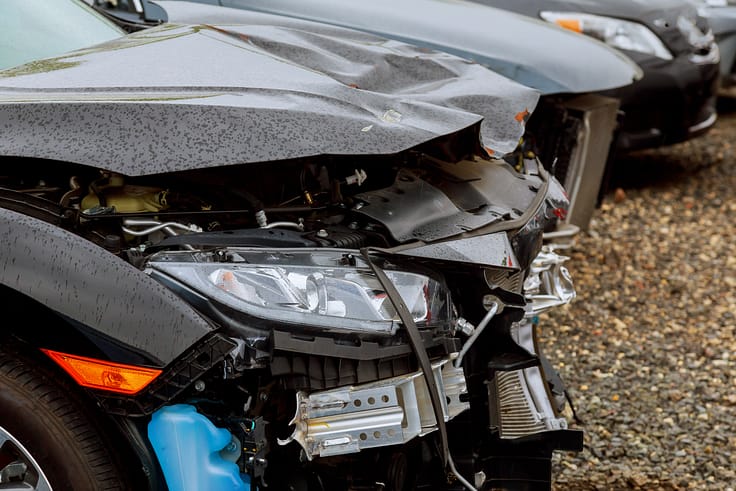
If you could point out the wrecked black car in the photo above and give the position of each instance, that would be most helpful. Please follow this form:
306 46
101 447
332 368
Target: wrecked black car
257 257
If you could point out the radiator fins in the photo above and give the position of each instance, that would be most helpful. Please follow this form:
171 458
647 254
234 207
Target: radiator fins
516 413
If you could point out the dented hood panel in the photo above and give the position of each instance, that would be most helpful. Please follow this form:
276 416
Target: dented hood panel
530 51
181 97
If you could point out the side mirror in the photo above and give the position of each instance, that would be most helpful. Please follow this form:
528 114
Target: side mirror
153 12
132 15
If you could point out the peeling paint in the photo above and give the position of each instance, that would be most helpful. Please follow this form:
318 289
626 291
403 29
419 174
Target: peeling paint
521 116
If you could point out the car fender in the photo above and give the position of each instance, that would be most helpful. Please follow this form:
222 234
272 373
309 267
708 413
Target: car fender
91 286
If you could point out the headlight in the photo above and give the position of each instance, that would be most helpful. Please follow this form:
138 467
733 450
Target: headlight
309 287
618 33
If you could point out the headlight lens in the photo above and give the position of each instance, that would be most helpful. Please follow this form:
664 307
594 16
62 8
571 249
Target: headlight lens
618 33
316 287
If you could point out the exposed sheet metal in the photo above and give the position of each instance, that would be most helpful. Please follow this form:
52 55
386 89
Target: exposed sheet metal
387 412
184 97
529 51
549 284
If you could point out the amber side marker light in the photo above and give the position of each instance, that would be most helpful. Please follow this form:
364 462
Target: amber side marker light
104 375
571 24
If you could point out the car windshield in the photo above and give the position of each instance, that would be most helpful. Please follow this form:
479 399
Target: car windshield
42 28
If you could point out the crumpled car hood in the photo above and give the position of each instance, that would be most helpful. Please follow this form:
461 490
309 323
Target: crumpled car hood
529 51
180 97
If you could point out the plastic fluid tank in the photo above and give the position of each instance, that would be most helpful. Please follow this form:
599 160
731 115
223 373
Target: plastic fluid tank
188 447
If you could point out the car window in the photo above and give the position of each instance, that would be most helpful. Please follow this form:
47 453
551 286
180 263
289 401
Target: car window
43 28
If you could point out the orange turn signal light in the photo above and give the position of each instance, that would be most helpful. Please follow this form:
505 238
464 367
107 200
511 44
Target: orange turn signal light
571 24
104 375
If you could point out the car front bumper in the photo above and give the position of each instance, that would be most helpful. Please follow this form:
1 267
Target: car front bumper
673 102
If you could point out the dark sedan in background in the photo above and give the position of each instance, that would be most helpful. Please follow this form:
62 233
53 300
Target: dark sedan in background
675 100
721 15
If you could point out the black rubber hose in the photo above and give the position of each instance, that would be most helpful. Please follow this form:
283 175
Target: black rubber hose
417 344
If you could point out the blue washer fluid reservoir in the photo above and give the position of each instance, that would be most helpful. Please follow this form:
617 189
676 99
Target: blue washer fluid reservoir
188 447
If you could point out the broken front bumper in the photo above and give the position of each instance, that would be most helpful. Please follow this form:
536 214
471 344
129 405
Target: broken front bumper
522 425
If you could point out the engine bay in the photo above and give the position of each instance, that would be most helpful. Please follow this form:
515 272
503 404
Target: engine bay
314 372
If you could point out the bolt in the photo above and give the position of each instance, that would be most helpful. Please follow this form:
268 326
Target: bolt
490 300
464 327
322 233
199 385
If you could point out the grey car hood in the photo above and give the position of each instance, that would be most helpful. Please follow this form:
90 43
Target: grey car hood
529 51
178 97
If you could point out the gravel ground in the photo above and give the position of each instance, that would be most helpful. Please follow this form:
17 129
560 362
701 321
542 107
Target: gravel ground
648 348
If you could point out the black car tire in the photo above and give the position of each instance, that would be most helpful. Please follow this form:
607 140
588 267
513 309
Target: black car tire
53 427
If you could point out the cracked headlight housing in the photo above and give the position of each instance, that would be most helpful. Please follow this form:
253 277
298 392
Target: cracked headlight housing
619 33
326 288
